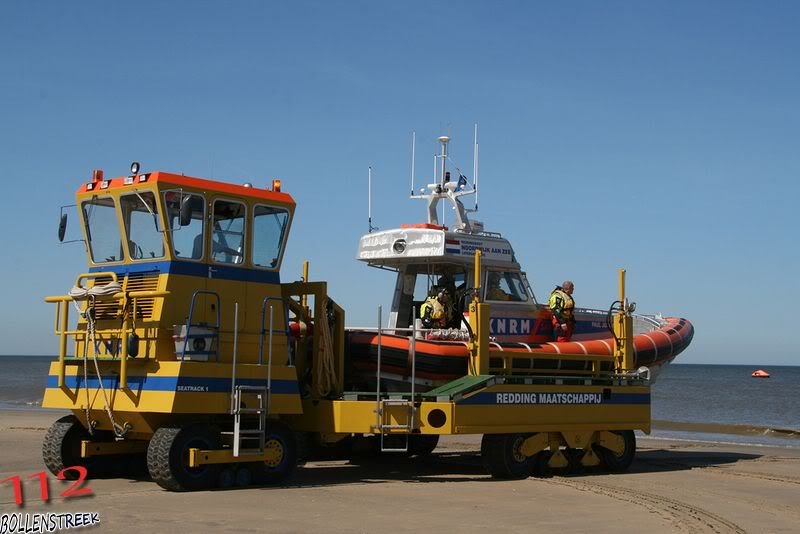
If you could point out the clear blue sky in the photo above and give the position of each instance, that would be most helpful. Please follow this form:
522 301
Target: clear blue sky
659 136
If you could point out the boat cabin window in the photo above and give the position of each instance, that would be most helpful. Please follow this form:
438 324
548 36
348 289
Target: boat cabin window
187 241
102 230
505 286
269 229
228 232
140 213
418 286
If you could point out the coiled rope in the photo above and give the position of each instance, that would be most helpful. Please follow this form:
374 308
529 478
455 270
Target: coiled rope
324 371
91 296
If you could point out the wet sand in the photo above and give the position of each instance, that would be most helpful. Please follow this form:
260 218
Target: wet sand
671 487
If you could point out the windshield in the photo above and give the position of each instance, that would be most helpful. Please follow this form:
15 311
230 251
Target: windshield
269 227
505 286
102 231
188 240
228 236
140 213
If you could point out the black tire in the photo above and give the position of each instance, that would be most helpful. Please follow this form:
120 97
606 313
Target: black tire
540 467
281 440
501 457
62 448
168 457
617 463
422 444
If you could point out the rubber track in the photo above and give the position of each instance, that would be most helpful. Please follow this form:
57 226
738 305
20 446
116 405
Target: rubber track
682 516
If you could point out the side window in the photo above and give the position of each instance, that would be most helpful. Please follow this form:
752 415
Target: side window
269 228
140 213
187 241
227 232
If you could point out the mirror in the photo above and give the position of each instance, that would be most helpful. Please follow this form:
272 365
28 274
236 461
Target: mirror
186 210
62 227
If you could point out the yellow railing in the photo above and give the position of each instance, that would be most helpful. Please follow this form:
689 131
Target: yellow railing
508 357
61 326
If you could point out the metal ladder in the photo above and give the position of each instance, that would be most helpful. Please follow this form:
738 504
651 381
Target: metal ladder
249 440
385 427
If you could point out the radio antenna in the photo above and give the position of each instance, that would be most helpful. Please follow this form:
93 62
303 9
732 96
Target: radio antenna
475 166
413 158
369 200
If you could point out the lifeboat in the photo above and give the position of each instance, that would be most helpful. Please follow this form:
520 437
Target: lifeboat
435 255
760 373
440 361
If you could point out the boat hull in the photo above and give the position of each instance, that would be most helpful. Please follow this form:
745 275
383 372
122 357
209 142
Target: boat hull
437 362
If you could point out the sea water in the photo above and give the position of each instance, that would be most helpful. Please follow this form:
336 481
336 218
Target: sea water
709 402
725 403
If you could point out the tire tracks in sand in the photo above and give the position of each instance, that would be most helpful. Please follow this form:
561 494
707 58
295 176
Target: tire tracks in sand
680 515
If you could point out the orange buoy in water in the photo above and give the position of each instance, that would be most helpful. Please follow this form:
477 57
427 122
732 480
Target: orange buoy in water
760 374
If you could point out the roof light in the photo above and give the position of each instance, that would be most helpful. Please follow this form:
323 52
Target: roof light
128 180
276 185
135 167
97 175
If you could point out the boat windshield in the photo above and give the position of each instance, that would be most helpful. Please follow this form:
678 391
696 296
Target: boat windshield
102 232
505 286
140 213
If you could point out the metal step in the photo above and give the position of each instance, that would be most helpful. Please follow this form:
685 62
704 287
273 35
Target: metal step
242 434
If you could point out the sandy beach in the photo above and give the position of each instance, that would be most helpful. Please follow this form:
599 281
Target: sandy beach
672 487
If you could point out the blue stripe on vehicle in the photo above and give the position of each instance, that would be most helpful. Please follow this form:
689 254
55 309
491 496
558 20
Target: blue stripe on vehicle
198 384
190 268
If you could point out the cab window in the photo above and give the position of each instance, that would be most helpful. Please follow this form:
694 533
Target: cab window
140 213
187 241
269 229
228 232
505 286
102 230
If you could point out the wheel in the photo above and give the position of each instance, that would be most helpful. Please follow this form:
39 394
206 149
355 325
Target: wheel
502 458
244 476
281 448
62 448
540 467
619 462
422 444
168 457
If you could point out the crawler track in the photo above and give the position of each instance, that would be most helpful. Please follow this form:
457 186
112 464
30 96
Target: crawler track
682 516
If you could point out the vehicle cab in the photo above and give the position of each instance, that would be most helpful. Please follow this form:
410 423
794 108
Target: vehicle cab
215 247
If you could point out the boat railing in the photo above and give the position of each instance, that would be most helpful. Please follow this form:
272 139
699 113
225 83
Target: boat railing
519 360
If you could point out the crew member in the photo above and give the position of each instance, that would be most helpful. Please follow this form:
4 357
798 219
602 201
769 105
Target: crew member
493 289
563 307
436 311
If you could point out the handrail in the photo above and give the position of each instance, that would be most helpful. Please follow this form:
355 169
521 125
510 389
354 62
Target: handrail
116 296
62 324
217 326
263 317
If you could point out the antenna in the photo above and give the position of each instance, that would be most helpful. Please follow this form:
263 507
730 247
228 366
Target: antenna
369 200
413 158
475 166
444 139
